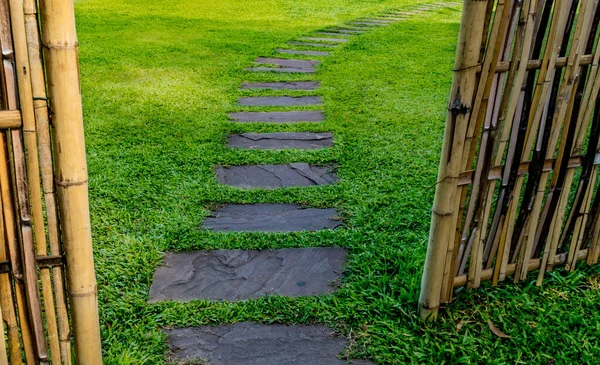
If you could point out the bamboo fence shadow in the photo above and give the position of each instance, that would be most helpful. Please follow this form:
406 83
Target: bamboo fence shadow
518 181
45 234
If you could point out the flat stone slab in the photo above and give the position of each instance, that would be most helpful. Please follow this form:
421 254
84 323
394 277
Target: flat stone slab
234 275
332 40
305 53
278 117
257 344
282 69
333 34
305 44
347 31
381 21
280 101
272 218
284 85
281 140
370 24
275 176
287 63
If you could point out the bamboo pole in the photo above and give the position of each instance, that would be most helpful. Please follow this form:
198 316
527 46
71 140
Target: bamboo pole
443 224
61 329
62 65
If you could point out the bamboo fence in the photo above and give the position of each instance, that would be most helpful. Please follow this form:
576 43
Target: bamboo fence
48 295
518 181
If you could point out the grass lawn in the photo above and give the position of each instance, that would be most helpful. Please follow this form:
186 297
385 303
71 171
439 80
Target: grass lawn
158 80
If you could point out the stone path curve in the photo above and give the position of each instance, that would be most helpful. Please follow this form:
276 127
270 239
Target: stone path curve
234 275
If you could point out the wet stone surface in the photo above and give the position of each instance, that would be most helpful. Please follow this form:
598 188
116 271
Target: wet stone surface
280 101
278 117
275 176
306 44
234 275
306 53
292 85
272 218
281 140
256 344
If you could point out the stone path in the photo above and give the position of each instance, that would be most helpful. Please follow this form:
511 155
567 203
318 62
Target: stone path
256 344
281 140
232 275
240 274
275 176
272 218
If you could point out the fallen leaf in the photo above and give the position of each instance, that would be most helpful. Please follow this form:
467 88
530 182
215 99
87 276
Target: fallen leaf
496 331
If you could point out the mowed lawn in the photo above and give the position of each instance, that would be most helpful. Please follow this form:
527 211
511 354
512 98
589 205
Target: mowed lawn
158 80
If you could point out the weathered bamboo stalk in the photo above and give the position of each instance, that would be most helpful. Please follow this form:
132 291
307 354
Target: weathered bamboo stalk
61 58
443 226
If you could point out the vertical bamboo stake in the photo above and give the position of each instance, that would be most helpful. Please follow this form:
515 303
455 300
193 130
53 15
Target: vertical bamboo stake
62 65
47 170
443 224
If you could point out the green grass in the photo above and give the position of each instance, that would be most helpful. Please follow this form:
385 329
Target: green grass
158 80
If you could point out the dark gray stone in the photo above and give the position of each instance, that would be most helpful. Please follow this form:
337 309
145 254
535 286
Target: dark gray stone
305 44
281 140
287 63
284 85
278 117
272 218
333 34
347 31
282 70
381 21
306 53
275 176
280 100
233 275
370 24
331 40
257 344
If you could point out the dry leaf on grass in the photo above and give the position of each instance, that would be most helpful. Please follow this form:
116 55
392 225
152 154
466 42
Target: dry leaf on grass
495 330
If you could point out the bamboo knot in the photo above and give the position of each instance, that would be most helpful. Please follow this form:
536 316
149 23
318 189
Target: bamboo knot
442 214
66 184
61 47
84 293
477 65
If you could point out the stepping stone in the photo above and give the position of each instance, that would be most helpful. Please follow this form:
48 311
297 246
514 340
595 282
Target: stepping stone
272 218
371 24
282 69
280 101
333 40
287 63
306 53
234 275
281 140
304 44
382 21
258 344
333 34
275 176
282 85
347 31
278 117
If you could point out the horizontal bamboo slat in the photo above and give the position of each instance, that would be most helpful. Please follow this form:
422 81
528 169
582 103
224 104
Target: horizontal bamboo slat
10 119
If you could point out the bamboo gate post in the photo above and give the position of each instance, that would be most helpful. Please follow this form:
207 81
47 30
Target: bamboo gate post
443 224
62 65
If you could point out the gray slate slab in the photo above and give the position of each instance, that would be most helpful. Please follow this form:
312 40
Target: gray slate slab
287 62
275 176
347 31
333 34
256 344
280 100
278 117
305 53
234 275
284 85
370 24
282 70
272 218
332 40
382 21
305 44
281 140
